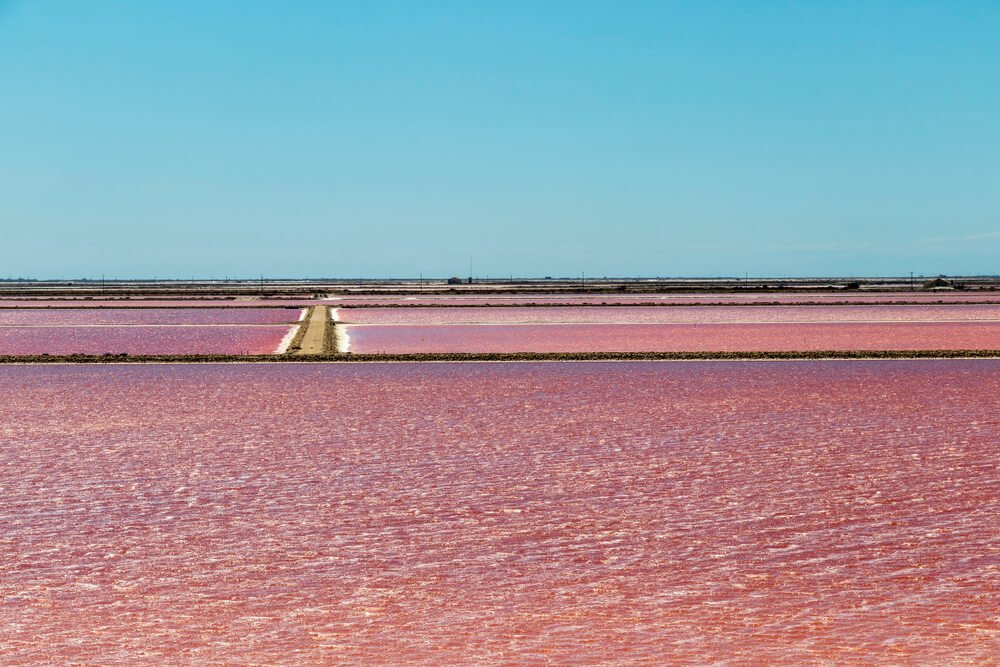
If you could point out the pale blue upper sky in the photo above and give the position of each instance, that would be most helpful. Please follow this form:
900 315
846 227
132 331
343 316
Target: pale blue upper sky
322 138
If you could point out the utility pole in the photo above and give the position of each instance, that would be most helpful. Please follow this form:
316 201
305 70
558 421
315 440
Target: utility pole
911 281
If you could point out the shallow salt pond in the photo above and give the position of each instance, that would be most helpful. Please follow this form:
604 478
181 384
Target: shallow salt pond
693 513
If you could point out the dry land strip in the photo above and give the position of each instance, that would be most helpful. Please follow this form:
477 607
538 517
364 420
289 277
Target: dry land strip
315 339
496 356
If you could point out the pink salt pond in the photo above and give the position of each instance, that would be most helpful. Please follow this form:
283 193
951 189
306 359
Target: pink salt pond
138 339
112 303
673 315
569 298
741 337
799 513
147 316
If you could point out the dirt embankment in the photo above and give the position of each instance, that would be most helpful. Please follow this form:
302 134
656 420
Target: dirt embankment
509 356
315 339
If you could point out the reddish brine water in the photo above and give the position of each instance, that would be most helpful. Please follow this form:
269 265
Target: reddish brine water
672 298
152 303
776 513
120 316
138 339
799 337
678 315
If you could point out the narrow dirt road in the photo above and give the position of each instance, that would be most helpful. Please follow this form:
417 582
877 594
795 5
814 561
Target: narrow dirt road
315 336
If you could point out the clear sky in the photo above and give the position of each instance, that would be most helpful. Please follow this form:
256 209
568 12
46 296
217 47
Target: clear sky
218 138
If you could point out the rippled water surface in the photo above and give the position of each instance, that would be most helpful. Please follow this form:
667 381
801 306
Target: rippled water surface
710 513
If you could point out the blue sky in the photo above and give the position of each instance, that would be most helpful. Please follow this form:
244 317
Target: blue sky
321 138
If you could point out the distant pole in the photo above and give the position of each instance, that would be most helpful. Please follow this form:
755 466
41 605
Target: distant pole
911 281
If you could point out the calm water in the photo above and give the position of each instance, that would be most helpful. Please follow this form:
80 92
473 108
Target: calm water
139 339
708 337
165 316
678 315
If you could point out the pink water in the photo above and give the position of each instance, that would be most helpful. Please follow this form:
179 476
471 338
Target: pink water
397 339
678 315
152 303
138 339
797 513
119 316
671 298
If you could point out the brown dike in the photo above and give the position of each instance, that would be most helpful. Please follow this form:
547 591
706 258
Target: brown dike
508 356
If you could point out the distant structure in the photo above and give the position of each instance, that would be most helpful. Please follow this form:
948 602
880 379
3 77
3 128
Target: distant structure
455 280
939 284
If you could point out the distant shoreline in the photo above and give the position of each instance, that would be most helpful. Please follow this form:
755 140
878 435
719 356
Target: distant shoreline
223 290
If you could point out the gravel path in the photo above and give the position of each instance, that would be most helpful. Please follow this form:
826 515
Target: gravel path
315 335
